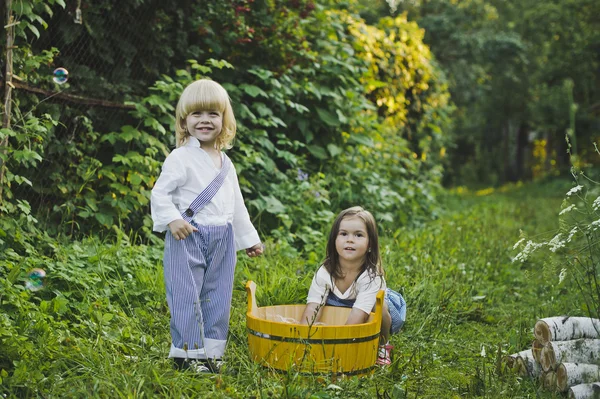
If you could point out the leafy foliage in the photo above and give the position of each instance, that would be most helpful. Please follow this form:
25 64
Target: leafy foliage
309 98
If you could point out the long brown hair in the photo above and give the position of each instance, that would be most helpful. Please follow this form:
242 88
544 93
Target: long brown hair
373 258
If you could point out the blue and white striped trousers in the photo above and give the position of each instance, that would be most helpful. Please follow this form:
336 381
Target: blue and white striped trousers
199 281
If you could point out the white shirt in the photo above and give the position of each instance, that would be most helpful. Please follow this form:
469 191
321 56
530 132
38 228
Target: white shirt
185 173
364 289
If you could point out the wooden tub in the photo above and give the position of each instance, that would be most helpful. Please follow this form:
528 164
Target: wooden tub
332 348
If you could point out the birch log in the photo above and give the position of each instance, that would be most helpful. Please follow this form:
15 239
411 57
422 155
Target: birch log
585 391
536 348
569 374
528 366
566 328
512 360
581 350
523 363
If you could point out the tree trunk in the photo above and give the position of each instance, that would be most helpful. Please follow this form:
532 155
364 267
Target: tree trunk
585 391
8 86
522 142
576 351
566 328
569 374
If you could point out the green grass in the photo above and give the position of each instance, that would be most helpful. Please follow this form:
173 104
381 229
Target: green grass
100 326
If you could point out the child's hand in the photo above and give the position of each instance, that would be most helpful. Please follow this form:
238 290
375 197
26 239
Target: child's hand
255 250
181 229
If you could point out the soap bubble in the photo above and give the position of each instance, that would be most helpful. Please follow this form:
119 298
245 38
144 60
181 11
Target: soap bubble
61 75
35 279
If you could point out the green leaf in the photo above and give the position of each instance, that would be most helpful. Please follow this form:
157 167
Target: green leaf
360 139
135 179
21 180
253 91
219 63
263 110
261 73
105 220
14 273
273 205
334 149
35 30
328 117
317 151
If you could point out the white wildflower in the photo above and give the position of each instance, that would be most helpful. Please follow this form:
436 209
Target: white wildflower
596 203
567 209
518 243
594 225
562 275
574 190
572 233
482 351
556 243
529 248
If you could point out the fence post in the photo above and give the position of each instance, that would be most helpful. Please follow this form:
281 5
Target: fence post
8 86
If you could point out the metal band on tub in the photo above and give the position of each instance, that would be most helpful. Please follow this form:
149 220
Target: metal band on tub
314 341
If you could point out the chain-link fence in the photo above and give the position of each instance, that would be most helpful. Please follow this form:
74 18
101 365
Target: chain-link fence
91 76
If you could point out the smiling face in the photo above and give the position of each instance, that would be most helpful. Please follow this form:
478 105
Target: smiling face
352 241
205 95
205 126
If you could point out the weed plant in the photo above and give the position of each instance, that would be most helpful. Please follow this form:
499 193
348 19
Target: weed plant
100 325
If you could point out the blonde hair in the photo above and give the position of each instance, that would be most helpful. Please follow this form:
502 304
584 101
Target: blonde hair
205 95
373 258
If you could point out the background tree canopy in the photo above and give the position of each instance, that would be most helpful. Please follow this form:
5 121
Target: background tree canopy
522 74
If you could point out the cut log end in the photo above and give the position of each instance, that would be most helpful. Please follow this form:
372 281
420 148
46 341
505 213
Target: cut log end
536 349
548 380
509 361
521 367
562 378
547 358
542 332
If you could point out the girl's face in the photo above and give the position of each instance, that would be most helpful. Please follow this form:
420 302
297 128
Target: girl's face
352 241
205 126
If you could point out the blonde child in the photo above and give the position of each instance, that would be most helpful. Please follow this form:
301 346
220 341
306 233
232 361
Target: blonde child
198 202
351 276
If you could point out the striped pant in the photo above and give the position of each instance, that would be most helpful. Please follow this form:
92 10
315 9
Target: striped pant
199 282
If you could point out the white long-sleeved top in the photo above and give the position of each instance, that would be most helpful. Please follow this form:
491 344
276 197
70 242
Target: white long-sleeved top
363 290
185 173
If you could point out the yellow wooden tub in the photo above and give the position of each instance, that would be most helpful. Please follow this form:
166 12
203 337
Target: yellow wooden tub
332 348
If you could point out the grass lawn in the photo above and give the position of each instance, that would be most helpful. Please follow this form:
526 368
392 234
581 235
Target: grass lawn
99 328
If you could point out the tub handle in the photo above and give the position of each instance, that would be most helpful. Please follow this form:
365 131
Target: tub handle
379 307
251 290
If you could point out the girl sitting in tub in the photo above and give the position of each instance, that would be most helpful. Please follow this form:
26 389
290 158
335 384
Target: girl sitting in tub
351 276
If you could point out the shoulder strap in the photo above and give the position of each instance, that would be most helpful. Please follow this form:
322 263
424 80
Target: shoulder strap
209 192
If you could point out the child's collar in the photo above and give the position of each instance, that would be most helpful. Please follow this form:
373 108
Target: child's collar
193 142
